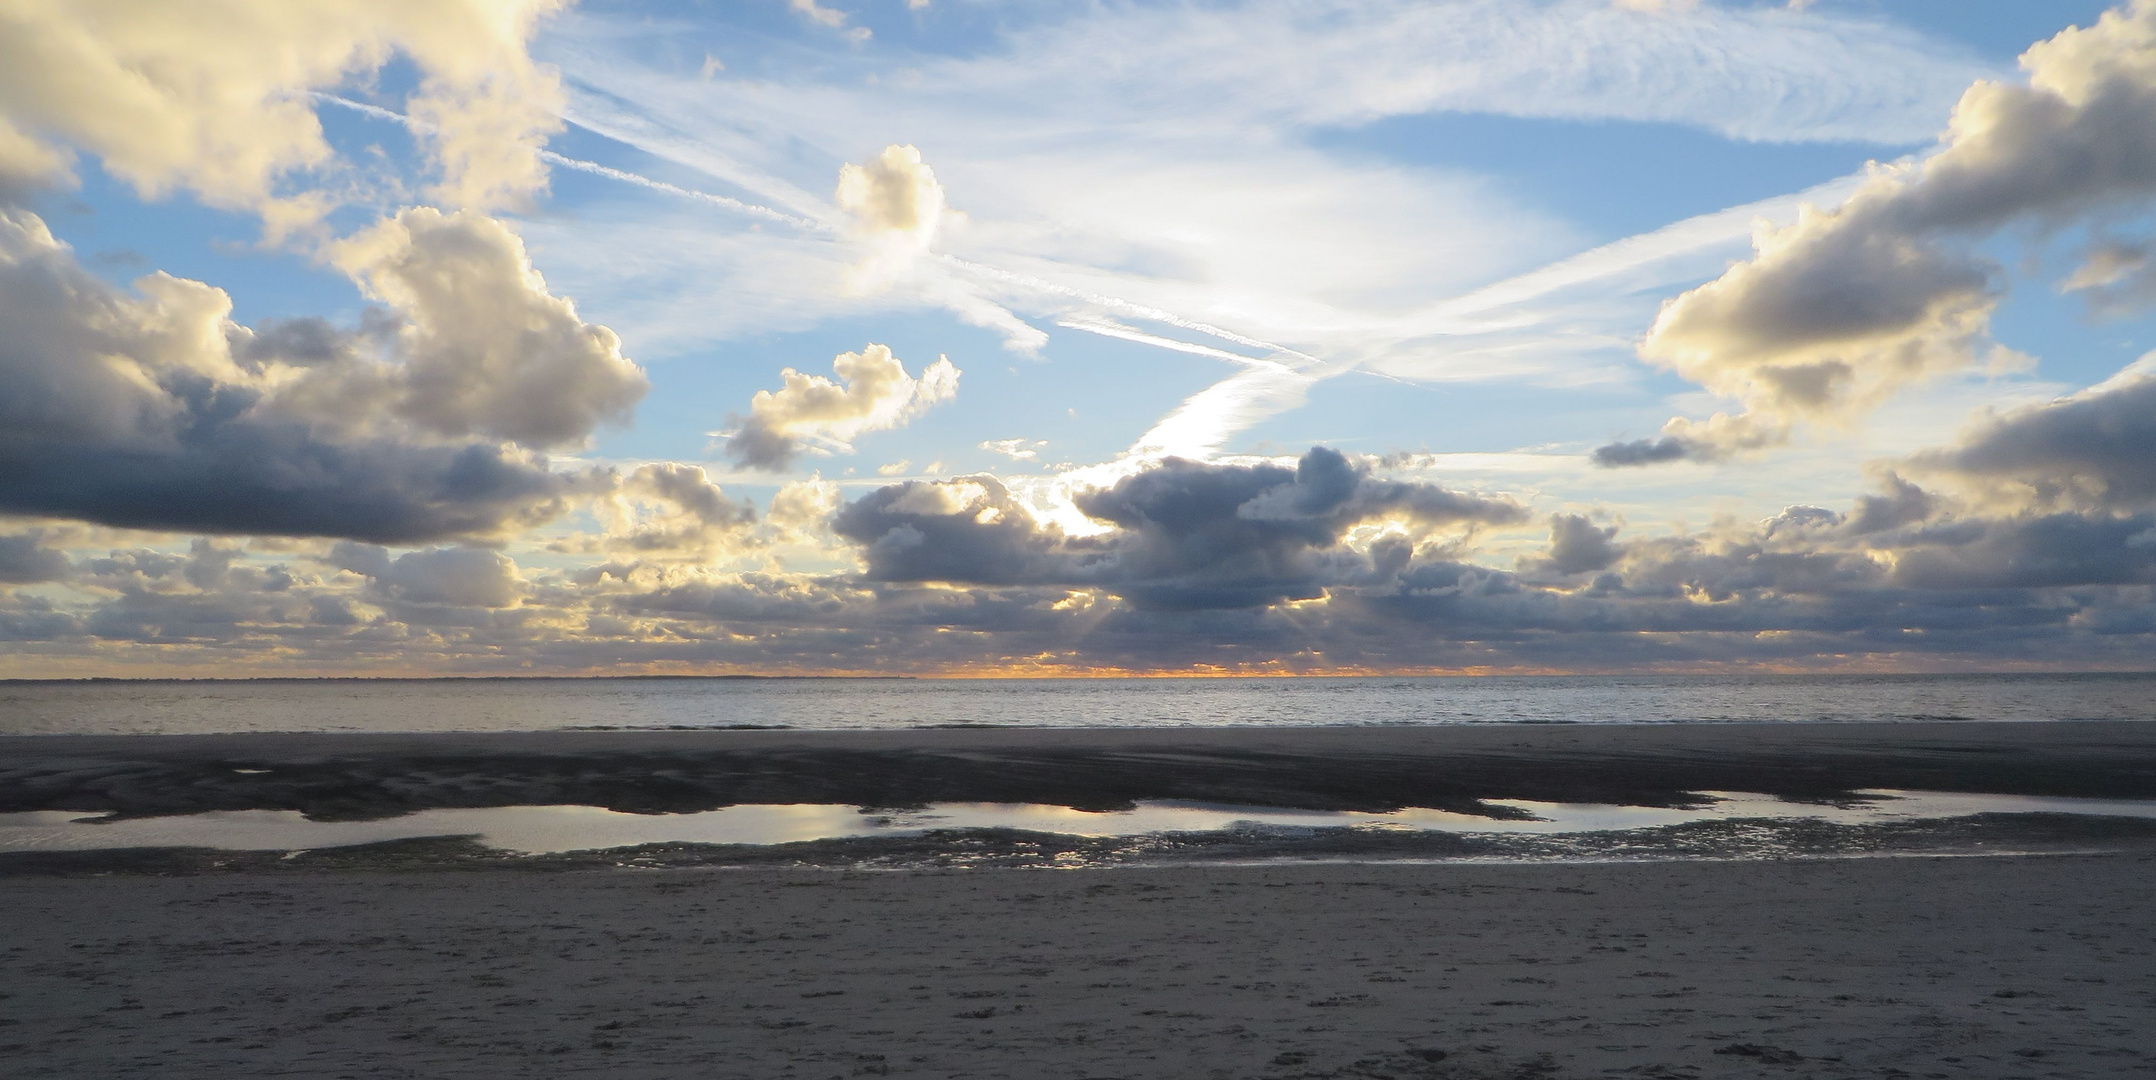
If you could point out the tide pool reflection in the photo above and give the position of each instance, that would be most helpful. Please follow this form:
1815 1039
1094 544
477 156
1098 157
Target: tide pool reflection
555 829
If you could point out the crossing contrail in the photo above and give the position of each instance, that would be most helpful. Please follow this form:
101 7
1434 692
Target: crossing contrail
1127 307
596 169
1151 314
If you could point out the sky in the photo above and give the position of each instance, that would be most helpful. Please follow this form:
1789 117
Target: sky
971 338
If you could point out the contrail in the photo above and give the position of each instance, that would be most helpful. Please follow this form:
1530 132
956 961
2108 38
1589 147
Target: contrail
735 205
1152 314
596 169
1127 334
1136 310
1632 252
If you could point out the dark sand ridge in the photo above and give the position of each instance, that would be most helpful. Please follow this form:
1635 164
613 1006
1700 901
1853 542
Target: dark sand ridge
353 776
1884 969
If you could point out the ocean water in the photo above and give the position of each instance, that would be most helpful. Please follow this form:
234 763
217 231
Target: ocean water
546 830
541 704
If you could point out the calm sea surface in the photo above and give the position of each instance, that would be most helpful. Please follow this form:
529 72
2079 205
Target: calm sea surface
555 704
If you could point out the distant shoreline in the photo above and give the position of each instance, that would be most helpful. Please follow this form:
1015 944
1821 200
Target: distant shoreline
108 679
1083 677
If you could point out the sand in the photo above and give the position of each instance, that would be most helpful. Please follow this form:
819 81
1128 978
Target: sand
1369 768
439 958
1882 967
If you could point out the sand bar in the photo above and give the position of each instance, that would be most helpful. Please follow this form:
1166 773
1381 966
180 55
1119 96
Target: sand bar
1374 768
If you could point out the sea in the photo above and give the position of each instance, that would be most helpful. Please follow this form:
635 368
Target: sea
174 707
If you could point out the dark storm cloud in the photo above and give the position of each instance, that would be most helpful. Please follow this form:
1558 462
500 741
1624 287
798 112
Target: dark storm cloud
1187 535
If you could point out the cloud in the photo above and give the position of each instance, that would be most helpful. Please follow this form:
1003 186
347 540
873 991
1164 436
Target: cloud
25 561
1846 307
829 17
1716 438
1827 320
1645 451
451 576
898 210
1736 69
1229 207
804 507
2117 278
1902 503
896 194
810 413
485 348
1185 535
320 428
959 577
1016 449
667 509
2043 551
967 530
1579 546
132 409
209 97
462 577
2093 451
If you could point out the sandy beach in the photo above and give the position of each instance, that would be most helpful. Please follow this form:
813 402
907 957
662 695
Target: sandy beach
1997 945
1918 967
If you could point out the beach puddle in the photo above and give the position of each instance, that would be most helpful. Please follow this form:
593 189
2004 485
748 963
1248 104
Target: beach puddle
551 830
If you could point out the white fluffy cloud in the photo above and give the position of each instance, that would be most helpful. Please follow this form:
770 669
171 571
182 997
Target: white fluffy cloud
898 209
485 349
896 193
802 508
873 392
209 95
1841 310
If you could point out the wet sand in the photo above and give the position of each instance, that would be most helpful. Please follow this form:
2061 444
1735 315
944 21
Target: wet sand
341 776
1883 967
